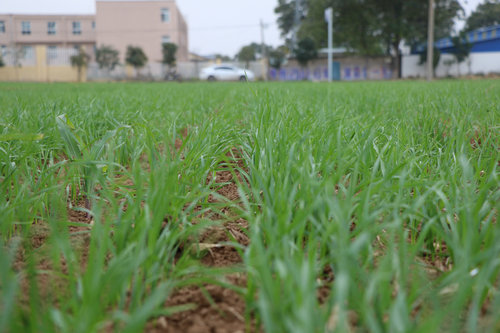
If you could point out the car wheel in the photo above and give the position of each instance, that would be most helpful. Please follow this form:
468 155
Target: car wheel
211 78
243 78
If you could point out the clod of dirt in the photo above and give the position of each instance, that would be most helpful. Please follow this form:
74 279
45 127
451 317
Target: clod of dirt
222 256
222 311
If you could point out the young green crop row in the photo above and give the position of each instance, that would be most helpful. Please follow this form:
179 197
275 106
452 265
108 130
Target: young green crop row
382 196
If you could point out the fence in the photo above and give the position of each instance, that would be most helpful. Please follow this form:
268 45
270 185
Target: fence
19 56
39 63
157 71
480 63
57 56
349 68
49 63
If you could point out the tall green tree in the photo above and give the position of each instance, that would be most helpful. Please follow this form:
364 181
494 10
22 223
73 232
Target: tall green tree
371 27
222 57
461 49
286 14
107 57
169 51
247 54
435 61
305 51
253 51
277 56
486 14
354 25
136 57
80 61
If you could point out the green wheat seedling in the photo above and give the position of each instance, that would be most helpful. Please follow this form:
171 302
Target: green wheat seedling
371 207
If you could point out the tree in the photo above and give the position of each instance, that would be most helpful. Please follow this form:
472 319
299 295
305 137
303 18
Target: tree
252 51
461 49
222 57
18 53
305 51
260 50
435 60
286 11
277 56
169 50
485 15
107 57
80 61
447 63
371 27
354 25
135 57
246 54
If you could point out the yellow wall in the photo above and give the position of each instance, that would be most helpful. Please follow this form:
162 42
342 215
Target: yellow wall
64 74
129 71
41 72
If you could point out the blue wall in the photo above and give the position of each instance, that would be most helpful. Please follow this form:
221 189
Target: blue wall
483 40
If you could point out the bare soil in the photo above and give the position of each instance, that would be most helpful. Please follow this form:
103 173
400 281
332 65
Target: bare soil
49 285
217 309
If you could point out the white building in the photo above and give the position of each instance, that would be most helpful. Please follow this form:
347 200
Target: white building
484 57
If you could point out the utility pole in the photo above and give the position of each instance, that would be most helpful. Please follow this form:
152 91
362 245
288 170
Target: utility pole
430 42
329 19
263 51
262 42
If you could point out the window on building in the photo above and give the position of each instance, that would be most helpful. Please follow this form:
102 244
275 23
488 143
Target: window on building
93 25
77 28
28 52
3 50
165 39
51 28
493 33
165 15
485 34
52 52
76 47
26 27
2 27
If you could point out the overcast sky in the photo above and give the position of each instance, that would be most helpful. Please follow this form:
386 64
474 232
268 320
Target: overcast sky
215 26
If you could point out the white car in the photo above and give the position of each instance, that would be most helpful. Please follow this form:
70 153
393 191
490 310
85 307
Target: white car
226 73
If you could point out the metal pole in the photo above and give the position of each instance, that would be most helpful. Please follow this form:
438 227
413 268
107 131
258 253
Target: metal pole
330 45
263 50
329 20
430 42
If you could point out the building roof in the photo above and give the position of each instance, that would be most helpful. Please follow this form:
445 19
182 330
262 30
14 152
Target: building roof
483 40
198 57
